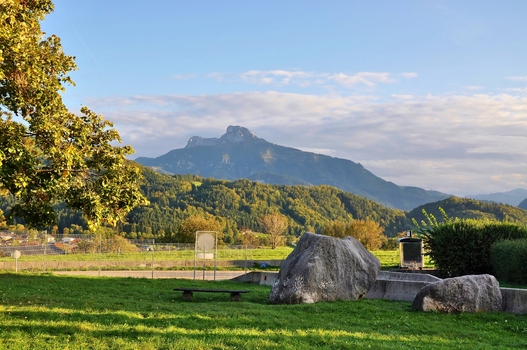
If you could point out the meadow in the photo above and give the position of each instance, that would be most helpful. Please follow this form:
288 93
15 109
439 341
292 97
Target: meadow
143 260
43 311
164 254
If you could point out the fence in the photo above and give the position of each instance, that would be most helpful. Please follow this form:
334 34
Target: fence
43 252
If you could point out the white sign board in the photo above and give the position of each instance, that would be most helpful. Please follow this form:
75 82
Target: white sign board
205 248
206 241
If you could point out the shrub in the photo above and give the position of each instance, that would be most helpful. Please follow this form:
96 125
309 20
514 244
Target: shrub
509 260
461 247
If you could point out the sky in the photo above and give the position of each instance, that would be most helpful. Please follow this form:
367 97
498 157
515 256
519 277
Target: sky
426 93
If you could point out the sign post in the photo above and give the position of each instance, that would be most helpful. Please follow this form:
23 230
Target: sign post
16 254
206 245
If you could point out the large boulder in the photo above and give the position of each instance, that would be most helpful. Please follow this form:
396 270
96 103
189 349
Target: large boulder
471 293
323 268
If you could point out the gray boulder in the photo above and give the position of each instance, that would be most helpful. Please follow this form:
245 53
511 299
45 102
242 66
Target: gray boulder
471 293
323 268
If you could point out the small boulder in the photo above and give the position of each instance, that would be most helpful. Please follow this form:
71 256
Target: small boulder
471 293
323 268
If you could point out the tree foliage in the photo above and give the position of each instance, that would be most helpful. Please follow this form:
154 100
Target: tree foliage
48 154
274 225
337 229
2 220
367 231
240 204
466 208
99 243
189 227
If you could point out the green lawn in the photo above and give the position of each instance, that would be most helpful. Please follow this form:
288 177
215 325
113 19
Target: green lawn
51 312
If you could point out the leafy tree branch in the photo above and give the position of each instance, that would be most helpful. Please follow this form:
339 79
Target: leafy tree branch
47 153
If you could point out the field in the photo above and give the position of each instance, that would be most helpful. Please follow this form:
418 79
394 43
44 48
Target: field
164 258
50 312
163 253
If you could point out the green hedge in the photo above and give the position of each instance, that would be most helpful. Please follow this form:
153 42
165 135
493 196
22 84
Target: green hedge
509 260
462 247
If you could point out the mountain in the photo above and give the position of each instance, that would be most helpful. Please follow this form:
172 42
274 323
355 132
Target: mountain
523 204
466 208
513 197
241 154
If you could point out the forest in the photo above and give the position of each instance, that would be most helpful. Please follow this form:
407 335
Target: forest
235 207
240 204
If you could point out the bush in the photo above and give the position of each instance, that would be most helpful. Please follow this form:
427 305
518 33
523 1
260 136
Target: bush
509 260
461 247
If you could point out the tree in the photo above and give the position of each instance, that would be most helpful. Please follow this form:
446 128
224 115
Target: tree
368 232
274 225
337 229
187 231
48 154
2 220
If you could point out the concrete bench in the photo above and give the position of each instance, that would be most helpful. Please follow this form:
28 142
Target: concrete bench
188 293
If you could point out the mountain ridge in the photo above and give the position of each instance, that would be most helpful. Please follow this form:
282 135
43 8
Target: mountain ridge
241 154
513 197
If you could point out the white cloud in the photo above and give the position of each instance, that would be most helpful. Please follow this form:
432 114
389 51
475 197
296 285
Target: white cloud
273 77
455 144
369 79
520 90
517 78
474 87
326 151
408 75
403 97
308 79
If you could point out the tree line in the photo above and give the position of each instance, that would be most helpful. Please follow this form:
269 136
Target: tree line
181 204
236 209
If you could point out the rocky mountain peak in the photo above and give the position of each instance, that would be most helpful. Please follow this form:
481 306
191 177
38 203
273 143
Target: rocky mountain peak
234 134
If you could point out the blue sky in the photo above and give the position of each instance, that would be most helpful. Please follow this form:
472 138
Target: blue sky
422 93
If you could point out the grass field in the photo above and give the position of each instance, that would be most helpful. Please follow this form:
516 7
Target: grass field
388 259
279 253
51 312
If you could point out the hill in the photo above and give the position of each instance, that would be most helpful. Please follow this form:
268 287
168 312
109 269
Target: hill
470 208
240 204
240 154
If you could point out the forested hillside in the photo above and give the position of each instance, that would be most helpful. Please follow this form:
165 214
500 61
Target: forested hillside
239 204
456 207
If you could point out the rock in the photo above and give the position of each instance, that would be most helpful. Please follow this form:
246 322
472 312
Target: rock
234 134
323 268
471 293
